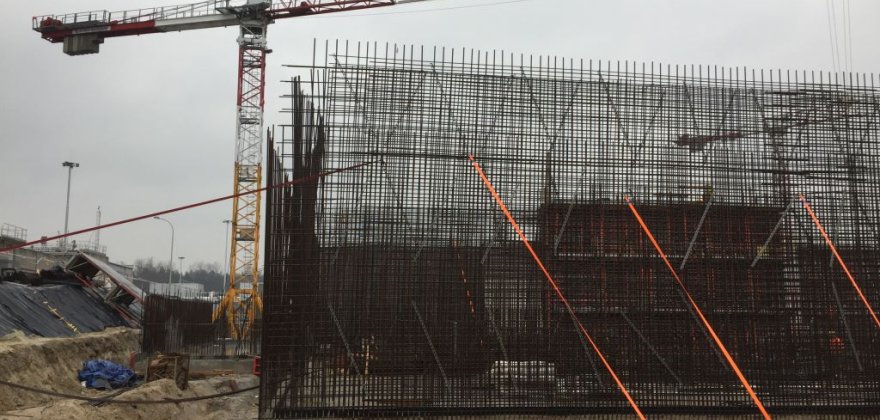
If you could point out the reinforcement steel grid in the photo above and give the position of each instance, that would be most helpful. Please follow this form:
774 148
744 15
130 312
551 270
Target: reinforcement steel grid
687 239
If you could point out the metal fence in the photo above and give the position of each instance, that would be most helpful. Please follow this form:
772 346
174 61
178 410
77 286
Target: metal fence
400 288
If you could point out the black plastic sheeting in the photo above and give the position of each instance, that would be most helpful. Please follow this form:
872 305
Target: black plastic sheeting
53 311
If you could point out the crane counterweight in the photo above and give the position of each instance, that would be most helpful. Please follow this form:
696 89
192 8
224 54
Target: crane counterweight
83 44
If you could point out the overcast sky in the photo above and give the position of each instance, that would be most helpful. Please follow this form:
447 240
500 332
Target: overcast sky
151 118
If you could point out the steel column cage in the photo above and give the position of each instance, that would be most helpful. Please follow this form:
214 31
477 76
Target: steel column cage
400 289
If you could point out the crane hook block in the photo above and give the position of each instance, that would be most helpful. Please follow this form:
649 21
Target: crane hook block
82 44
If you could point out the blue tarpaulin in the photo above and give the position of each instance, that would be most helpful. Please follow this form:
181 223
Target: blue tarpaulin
98 373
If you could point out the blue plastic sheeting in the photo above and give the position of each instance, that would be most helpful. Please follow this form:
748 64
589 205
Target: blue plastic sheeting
102 374
53 311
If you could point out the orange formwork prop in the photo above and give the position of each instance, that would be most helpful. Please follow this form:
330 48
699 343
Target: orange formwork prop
699 312
553 284
849 275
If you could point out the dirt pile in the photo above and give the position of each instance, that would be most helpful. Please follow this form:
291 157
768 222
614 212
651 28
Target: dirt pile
52 363
238 406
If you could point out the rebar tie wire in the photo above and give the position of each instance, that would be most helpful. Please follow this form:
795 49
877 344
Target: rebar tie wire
555 287
699 312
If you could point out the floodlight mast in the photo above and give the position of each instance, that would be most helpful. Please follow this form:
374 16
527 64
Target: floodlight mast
84 32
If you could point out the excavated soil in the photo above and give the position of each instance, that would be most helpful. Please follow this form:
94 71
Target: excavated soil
53 363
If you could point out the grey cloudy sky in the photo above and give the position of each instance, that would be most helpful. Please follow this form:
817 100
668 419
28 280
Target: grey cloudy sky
151 118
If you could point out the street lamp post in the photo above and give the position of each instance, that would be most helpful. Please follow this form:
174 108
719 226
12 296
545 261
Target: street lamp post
170 259
69 166
226 257
180 272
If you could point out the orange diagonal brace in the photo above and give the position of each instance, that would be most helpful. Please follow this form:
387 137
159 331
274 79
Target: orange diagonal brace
839 259
696 307
552 282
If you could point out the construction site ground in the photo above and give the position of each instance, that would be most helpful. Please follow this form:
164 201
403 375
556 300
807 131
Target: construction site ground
52 364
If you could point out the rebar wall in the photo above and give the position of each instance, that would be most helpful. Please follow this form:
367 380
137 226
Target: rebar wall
399 288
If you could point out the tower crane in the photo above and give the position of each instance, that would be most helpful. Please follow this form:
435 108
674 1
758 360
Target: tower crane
84 32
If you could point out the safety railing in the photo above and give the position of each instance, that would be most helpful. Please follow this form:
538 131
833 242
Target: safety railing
204 8
13 232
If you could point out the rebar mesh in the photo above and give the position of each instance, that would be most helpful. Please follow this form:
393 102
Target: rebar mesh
183 323
399 288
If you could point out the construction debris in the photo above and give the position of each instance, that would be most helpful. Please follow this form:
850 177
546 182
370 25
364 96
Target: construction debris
114 289
173 366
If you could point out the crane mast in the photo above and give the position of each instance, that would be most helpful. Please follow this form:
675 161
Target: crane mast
241 306
84 32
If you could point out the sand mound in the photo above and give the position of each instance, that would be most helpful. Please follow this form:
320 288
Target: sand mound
52 363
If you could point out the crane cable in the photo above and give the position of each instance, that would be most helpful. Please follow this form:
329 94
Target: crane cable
831 36
839 63
439 9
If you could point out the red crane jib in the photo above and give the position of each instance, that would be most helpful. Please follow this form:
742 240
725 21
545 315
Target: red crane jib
105 24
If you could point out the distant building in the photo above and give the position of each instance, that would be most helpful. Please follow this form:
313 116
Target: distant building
176 289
